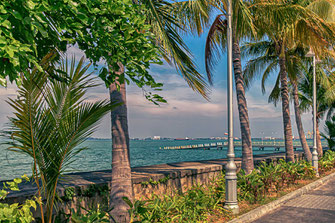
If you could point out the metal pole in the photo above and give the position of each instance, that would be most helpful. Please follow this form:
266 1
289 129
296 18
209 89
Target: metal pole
315 152
231 178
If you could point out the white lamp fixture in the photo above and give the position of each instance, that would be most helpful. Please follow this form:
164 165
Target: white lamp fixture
310 53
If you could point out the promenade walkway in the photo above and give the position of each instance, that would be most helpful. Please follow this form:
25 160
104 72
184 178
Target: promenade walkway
317 206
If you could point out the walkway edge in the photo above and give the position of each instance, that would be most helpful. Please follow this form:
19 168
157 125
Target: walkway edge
265 209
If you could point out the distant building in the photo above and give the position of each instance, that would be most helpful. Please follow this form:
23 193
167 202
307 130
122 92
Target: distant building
156 138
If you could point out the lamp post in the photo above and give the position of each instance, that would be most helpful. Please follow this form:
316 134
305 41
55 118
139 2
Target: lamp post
315 152
231 178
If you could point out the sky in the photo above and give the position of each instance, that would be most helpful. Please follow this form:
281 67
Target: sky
186 113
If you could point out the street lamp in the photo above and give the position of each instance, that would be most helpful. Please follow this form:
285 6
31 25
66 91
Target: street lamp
315 152
231 178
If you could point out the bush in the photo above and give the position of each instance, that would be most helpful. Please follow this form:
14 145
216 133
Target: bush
16 213
271 177
195 205
327 162
94 215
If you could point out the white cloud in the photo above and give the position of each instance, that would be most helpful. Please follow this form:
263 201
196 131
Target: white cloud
186 113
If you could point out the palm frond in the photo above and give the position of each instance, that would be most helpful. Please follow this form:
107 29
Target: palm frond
274 96
192 15
174 49
52 120
214 45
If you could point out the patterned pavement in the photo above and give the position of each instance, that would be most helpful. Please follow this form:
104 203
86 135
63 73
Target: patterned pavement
317 206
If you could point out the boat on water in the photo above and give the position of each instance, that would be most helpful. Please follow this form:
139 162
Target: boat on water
186 138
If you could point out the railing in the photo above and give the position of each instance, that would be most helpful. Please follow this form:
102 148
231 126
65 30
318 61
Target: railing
220 145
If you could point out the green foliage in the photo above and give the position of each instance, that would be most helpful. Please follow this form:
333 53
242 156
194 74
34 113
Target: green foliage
271 177
195 205
113 31
155 182
52 120
327 162
330 133
118 33
69 193
16 213
94 189
95 215
27 32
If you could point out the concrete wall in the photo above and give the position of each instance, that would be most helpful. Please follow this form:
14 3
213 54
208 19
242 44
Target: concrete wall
86 189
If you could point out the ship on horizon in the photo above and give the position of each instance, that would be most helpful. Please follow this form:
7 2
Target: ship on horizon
186 138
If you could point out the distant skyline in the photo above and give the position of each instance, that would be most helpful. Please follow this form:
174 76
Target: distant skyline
186 114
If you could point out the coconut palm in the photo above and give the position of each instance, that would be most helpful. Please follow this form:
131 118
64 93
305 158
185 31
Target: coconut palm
242 26
51 121
330 132
165 27
267 62
324 102
286 24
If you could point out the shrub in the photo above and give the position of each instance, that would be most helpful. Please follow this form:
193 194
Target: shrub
94 215
16 213
271 178
327 162
195 205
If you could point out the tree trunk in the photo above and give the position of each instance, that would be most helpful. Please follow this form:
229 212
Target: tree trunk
285 106
121 185
318 139
300 128
247 156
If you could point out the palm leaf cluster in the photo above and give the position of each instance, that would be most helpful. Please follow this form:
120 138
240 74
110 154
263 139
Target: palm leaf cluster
166 20
52 119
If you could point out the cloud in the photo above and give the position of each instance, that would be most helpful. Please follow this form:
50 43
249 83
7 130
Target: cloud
186 114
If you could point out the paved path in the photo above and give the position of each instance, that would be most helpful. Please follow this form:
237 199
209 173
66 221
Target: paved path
316 206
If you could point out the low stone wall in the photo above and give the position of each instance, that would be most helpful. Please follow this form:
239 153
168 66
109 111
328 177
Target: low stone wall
85 189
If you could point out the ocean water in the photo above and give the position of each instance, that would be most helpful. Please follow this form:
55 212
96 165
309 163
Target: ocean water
99 156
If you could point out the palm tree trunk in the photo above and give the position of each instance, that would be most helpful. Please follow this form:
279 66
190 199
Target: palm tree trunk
247 156
121 185
300 128
285 106
318 139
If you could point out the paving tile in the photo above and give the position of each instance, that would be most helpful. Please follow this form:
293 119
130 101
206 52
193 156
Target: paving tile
298 215
314 202
316 206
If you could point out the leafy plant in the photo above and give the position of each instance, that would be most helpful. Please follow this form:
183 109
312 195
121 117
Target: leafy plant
271 177
192 206
94 215
52 120
250 187
16 213
327 162
330 132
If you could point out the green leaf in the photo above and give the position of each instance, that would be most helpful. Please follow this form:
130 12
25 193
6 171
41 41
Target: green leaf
6 24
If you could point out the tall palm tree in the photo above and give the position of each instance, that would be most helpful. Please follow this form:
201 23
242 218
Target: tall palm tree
325 103
288 23
174 51
267 61
242 26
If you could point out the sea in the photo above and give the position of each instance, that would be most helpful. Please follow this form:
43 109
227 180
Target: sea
98 156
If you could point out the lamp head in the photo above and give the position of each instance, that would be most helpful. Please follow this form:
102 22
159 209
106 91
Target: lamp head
310 53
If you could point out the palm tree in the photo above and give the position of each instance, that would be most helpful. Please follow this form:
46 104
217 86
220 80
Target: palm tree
52 121
330 132
242 26
267 61
324 102
286 24
174 50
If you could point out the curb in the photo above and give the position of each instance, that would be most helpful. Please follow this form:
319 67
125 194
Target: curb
265 209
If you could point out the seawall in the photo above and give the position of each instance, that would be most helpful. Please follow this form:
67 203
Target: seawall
88 188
